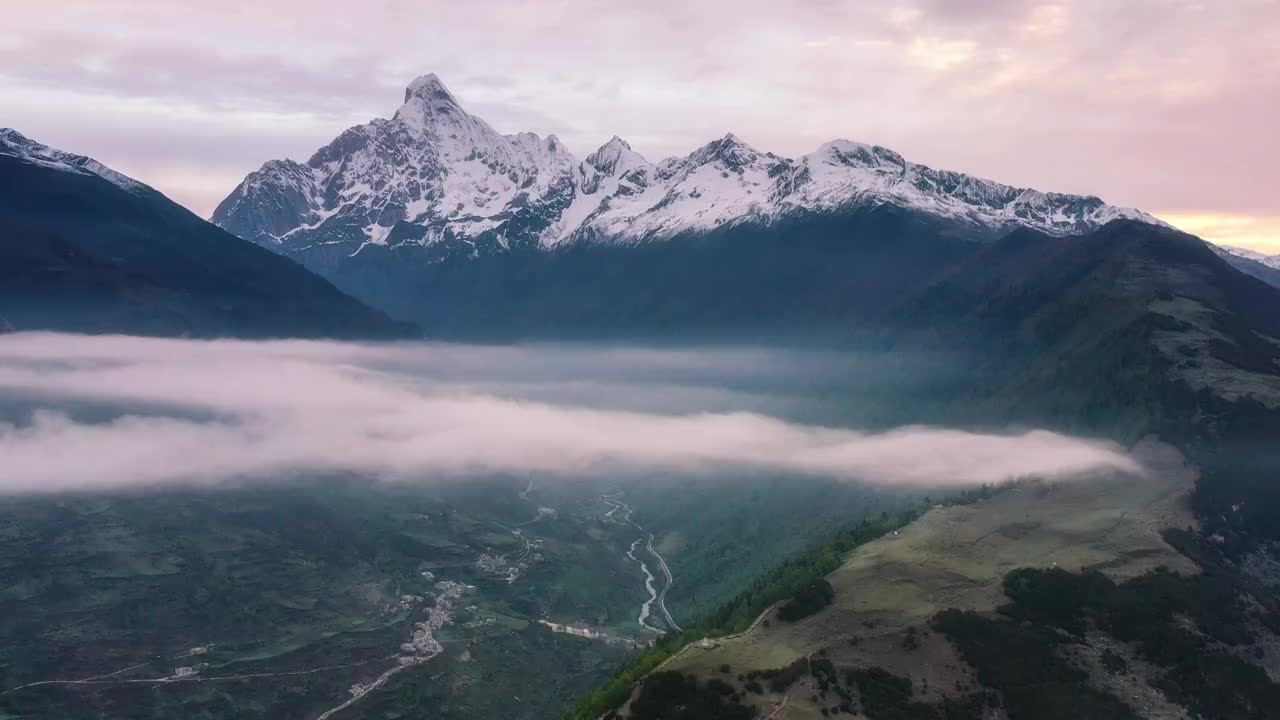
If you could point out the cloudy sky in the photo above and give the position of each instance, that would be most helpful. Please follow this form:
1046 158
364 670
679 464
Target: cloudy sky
1166 105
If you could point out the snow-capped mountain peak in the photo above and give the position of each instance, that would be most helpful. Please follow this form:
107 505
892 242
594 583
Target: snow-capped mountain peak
431 173
437 177
428 88
428 105
615 158
850 153
729 151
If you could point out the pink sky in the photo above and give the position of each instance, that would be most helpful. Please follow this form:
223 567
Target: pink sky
1165 105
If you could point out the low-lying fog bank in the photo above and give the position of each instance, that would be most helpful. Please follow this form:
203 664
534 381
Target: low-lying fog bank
93 412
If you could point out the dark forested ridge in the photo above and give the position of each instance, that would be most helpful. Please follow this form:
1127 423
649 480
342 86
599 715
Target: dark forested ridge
1191 629
807 277
1131 330
1263 272
79 253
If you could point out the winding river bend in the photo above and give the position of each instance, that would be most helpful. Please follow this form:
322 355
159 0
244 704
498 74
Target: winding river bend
656 606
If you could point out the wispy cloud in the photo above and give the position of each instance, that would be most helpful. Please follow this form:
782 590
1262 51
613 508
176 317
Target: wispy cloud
1258 232
115 412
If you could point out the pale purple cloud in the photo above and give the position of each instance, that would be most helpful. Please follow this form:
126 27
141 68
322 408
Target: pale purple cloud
1166 105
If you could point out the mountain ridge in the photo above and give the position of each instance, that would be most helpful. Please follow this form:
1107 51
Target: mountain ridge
435 175
85 248
1271 261
1251 262
18 145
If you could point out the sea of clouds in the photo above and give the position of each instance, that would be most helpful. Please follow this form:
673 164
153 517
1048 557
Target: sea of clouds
105 412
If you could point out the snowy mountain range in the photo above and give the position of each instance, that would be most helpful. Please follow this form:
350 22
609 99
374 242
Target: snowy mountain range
433 216
436 177
1271 261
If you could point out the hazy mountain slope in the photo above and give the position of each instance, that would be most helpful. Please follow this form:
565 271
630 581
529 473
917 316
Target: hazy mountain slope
1262 266
1131 330
953 557
1154 297
811 276
84 248
1128 331
1048 601
1271 261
